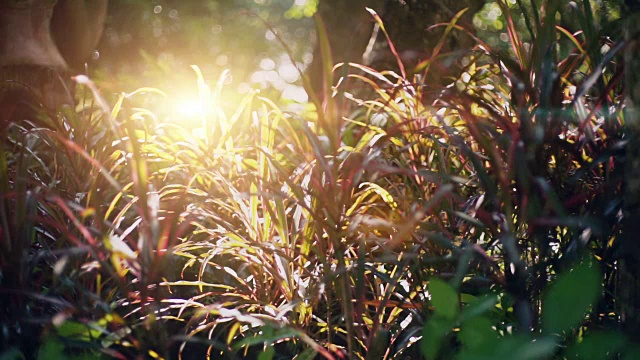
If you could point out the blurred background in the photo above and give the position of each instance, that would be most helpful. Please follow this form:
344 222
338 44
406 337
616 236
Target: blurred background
153 43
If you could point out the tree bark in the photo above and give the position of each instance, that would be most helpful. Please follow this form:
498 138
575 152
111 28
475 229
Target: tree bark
38 41
349 27
25 36
29 59
351 32
76 28
408 24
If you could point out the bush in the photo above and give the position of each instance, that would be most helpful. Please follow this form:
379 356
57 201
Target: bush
475 221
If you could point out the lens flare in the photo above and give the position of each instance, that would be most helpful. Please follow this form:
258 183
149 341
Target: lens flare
190 108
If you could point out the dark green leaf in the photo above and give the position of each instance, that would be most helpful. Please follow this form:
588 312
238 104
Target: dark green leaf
267 354
433 335
52 349
536 349
631 352
596 346
477 334
444 298
514 347
570 297
479 306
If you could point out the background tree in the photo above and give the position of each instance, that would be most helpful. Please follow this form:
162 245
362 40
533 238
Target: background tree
154 43
409 25
35 74
39 39
170 35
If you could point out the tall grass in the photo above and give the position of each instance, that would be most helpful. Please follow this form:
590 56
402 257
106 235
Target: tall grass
401 222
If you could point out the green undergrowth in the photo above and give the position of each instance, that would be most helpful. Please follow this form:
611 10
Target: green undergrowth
476 221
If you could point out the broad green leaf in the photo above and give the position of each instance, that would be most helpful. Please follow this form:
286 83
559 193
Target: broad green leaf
464 262
267 354
444 298
477 334
631 352
479 306
570 297
52 349
433 334
78 331
514 347
596 346
536 349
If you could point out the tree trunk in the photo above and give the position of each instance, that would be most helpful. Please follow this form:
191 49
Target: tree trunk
76 28
349 27
38 41
351 33
30 63
408 24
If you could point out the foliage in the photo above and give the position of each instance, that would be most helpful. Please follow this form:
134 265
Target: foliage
393 221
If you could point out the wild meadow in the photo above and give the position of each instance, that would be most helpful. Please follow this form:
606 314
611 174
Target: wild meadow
387 219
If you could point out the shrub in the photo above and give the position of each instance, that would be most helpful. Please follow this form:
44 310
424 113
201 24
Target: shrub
397 221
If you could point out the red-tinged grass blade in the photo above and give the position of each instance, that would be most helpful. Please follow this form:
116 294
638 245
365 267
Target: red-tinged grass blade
572 38
327 57
588 25
139 172
328 118
546 39
596 74
91 160
527 21
392 47
375 73
484 47
514 37
447 31
5 221
71 216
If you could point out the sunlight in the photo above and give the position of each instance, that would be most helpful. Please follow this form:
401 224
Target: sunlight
190 108
199 132
192 113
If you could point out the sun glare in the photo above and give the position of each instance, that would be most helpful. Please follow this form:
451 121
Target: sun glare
190 108
192 114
